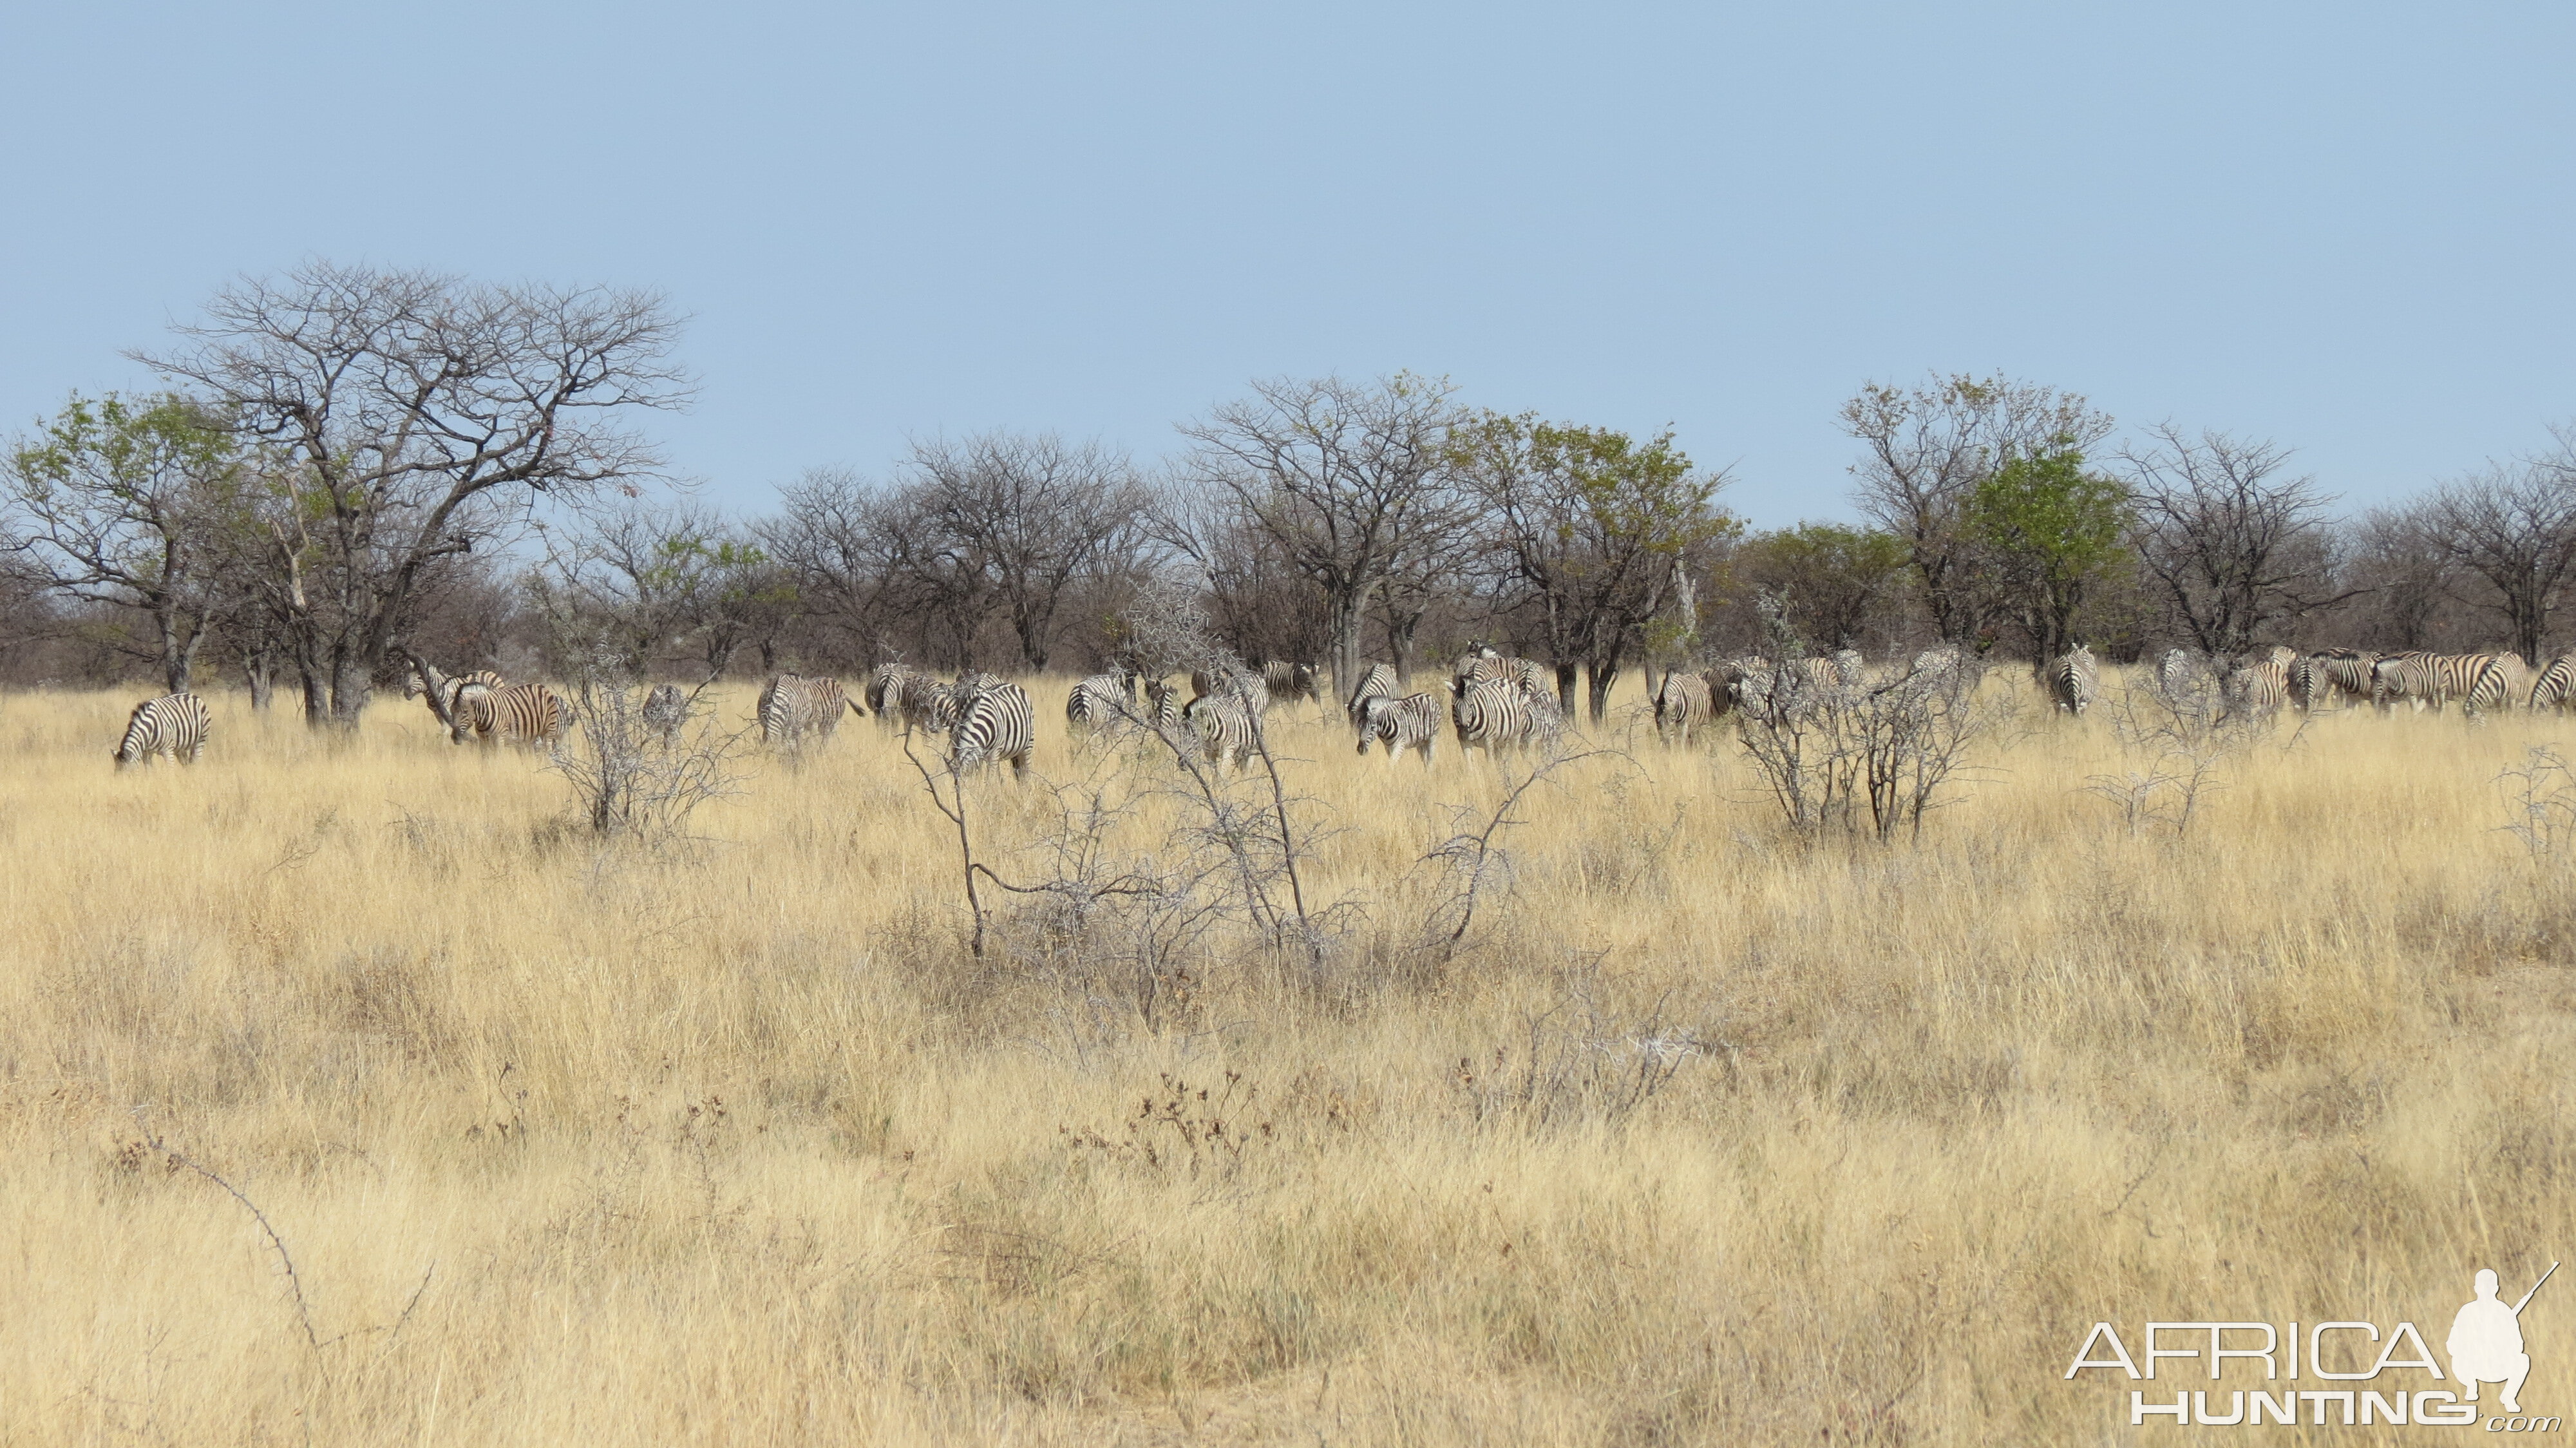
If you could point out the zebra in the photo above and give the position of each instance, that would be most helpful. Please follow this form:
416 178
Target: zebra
993 722
2556 687
1412 722
1293 681
2258 689
884 693
2345 672
1163 704
1228 727
665 710
2504 684
1527 673
2422 678
1378 682
529 713
1098 702
1251 688
446 693
793 704
1495 713
1687 700
176 725
2074 679
2310 686
928 704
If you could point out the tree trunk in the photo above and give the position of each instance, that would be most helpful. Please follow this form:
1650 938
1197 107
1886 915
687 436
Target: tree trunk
1349 617
349 686
1565 676
1399 642
1604 674
259 669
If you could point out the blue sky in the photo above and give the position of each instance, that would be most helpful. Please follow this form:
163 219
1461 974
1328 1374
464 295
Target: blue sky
2344 227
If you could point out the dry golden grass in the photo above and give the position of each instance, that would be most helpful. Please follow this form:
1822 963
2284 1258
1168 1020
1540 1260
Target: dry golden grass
734 1144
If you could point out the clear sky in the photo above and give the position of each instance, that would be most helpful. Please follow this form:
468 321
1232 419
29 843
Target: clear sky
2347 227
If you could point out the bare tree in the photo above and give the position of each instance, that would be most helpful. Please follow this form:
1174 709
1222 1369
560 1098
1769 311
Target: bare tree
1027 517
2512 527
1339 477
1927 449
133 504
413 416
2233 544
656 584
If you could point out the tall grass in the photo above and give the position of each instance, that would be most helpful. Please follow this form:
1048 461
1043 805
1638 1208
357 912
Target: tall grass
1706 1136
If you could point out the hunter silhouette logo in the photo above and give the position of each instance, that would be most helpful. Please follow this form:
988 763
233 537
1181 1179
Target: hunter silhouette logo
2486 1341
2364 1376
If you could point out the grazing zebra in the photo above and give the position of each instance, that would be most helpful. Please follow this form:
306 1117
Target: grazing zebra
2074 679
1098 702
526 713
1493 714
792 704
928 704
2422 678
176 725
1686 700
1412 722
1227 726
2504 684
1293 681
884 693
665 710
1379 682
2556 688
993 722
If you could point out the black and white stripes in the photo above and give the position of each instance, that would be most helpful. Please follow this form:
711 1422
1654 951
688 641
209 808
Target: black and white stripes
174 725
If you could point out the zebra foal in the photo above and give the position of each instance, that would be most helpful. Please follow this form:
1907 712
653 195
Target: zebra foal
175 725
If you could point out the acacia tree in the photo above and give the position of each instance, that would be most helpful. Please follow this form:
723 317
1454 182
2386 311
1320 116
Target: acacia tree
1341 478
411 416
2052 531
1925 452
2513 527
133 504
2233 545
1586 524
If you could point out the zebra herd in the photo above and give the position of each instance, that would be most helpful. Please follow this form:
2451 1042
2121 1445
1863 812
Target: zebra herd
2279 678
1492 702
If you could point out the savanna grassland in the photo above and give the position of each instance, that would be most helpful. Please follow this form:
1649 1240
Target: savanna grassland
1701 1135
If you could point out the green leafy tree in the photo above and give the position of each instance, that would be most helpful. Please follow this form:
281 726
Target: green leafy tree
133 503
1838 582
1593 528
2051 531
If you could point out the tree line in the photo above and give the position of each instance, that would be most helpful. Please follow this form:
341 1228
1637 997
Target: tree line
351 467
